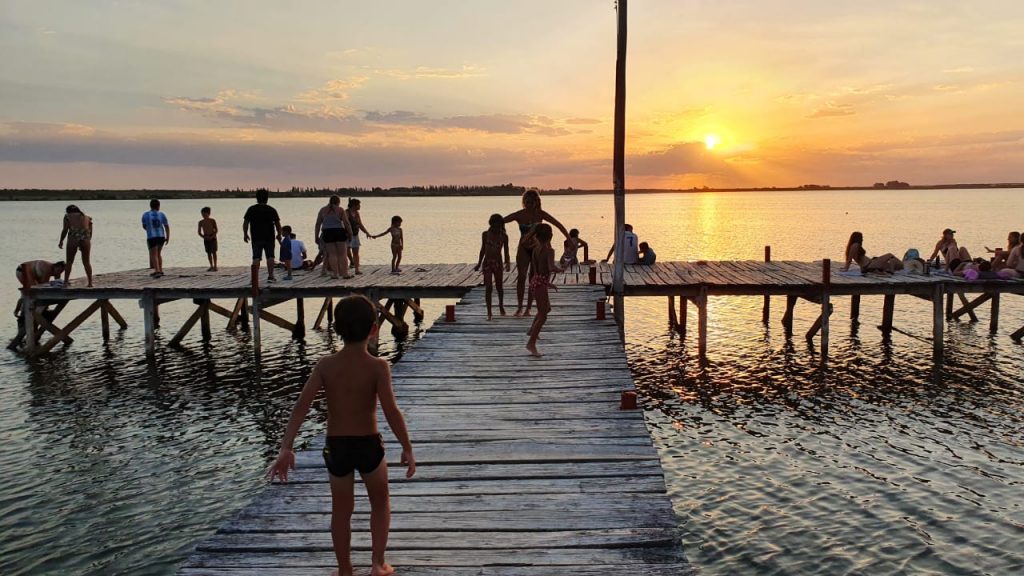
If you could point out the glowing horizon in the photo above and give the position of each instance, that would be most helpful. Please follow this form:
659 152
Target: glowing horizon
146 94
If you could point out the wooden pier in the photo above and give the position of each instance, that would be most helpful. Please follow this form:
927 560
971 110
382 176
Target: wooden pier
526 466
690 282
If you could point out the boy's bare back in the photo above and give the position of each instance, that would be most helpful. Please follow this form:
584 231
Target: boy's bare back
352 380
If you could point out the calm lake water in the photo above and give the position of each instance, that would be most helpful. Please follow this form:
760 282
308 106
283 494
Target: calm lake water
879 464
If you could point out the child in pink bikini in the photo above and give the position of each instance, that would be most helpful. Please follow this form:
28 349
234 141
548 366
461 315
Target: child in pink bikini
492 241
543 265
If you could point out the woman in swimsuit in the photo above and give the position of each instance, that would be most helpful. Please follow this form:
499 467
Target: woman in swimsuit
491 243
336 232
355 222
528 218
78 231
855 253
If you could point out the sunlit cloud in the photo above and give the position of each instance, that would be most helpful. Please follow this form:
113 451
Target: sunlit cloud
832 109
426 72
333 91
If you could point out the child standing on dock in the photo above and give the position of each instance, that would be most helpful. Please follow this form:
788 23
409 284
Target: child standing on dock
207 230
352 382
397 243
491 243
542 264
158 233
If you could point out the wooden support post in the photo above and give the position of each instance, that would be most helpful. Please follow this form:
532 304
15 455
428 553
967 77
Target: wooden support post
967 307
243 314
149 320
702 323
43 323
683 313
104 321
330 313
28 315
324 310
235 312
993 321
256 313
399 327
373 345
204 320
115 314
672 321
299 332
949 306
826 307
70 327
417 310
937 319
787 318
187 326
855 309
766 309
1018 335
888 307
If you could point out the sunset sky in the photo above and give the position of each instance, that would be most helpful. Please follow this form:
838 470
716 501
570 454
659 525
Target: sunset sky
203 94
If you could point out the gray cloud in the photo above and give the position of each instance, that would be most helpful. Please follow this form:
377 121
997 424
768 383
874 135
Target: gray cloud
677 160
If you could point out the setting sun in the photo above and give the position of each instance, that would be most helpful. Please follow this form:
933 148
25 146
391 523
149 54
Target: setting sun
711 140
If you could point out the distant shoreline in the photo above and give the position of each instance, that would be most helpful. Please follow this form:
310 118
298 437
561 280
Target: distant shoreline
8 194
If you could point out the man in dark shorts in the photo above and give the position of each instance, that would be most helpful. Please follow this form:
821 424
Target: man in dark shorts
266 231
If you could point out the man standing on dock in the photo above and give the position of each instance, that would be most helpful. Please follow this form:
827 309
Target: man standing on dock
266 231
158 233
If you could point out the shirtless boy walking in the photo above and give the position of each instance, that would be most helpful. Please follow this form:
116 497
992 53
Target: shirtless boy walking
207 230
352 382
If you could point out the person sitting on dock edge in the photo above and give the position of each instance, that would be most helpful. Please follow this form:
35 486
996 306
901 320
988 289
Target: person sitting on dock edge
353 382
630 253
647 255
266 229
570 249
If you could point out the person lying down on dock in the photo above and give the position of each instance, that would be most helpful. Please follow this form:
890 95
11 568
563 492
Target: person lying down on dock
353 382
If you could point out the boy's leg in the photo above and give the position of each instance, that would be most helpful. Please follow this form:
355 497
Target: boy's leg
380 516
341 521
543 307
215 261
160 258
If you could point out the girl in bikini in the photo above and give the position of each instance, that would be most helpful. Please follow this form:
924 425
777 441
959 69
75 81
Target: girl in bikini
543 264
528 219
356 224
78 232
855 253
491 243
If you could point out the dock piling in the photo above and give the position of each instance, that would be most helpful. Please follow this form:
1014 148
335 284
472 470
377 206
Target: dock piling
256 312
888 307
148 305
766 309
993 321
702 322
28 314
937 320
299 333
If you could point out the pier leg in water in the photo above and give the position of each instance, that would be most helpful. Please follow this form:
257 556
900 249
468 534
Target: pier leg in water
993 322
702 324
684 305
855 309
888 307
149 321
299 332
256 306
766 309
787 318
672 321
937 320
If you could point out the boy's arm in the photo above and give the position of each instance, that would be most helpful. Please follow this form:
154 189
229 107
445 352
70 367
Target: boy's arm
215 230
586 249
167 233
610 252
396 421
199 230
555 221
63 233
245 229
285 456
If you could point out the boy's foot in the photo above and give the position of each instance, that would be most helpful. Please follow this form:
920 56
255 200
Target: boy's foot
384 569
335 276
359 271
210 269
214 268
347 277
288 277
337 572
89 285
271 279
502 310
533 350
519 311
489 317
395 272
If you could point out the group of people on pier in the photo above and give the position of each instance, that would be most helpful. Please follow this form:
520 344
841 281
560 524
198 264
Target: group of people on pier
948 257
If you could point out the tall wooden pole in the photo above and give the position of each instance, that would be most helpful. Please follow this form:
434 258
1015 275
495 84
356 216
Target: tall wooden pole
619 164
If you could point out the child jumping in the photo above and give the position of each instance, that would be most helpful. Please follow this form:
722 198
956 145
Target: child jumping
207 230
542 264
397 243
491 243
352 382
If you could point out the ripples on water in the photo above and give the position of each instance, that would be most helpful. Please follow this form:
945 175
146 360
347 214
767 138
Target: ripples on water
877 464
